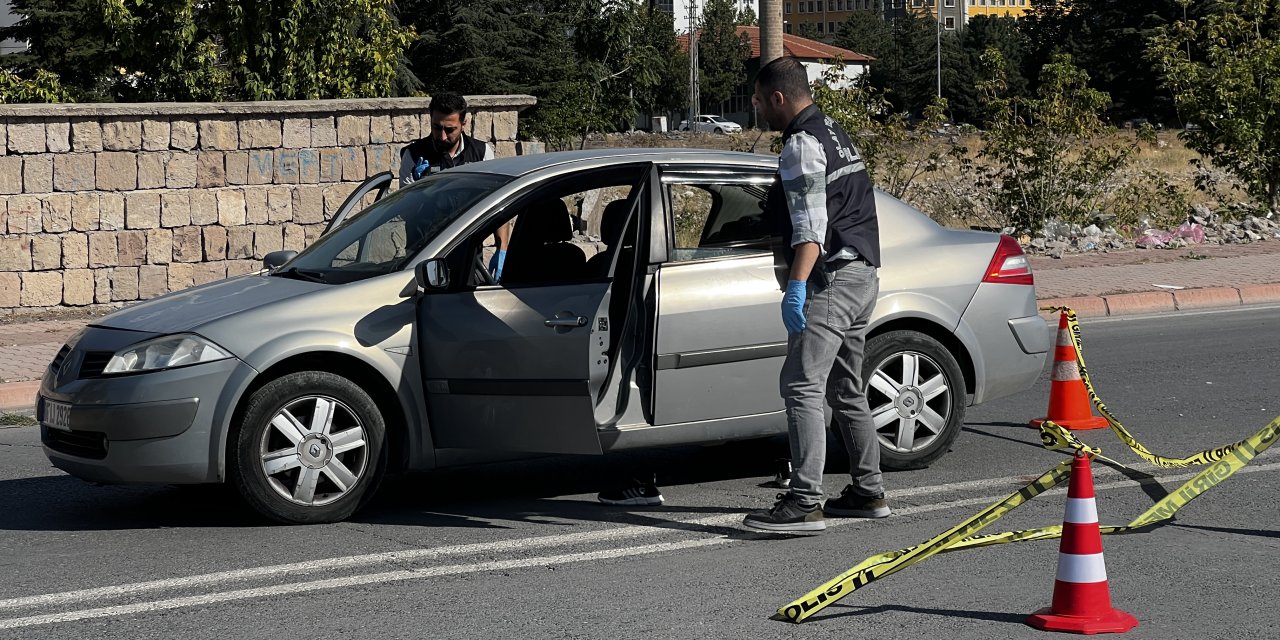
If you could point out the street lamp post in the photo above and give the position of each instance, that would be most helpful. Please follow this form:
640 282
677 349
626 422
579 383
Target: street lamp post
938 32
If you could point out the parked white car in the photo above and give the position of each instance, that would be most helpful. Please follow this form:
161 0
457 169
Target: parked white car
711 124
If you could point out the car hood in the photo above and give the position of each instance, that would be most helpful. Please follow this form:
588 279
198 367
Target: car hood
185 310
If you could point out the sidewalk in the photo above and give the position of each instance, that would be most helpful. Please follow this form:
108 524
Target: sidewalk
1118 283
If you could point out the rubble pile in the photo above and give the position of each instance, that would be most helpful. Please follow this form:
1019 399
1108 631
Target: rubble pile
1203 227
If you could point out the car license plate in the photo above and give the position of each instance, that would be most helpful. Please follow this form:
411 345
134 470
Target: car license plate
56 415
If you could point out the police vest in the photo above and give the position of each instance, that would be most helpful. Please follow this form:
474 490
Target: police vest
472 151
851 203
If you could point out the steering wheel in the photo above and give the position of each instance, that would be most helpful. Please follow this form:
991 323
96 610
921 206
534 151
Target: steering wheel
482 270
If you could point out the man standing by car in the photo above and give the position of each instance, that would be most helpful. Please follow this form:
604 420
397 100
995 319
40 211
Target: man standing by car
447 147
824 209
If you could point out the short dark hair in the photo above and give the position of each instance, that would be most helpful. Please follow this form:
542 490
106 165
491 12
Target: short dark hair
787 76
447 104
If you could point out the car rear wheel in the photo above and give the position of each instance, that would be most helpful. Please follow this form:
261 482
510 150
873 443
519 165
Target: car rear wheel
916 394
309 448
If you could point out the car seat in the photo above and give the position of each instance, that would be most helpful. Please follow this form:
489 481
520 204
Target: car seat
540 250
613 222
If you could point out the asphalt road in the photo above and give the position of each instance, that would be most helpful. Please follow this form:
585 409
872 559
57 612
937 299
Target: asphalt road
523 550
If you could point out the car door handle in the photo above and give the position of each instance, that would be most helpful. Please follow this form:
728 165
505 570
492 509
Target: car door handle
579 321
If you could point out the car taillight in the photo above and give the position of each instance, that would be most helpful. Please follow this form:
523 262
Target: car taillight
1009 265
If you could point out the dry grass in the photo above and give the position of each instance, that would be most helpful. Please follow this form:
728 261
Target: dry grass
947 194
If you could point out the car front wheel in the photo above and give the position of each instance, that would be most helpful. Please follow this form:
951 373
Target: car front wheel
309 448
916 393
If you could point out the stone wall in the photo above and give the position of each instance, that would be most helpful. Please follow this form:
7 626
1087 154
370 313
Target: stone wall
106 203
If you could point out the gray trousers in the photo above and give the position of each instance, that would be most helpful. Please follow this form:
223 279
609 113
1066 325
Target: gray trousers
824 363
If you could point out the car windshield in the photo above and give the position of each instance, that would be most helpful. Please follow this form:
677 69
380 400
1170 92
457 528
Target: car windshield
382 238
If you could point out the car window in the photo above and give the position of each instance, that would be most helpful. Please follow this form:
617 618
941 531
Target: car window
383 237
566 231
718 220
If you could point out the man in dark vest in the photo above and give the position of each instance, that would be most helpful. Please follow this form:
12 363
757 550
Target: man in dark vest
823 206
449 147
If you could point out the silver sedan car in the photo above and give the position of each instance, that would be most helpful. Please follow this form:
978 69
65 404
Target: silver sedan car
637 306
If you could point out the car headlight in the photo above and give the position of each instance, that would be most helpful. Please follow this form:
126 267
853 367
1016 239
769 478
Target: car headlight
165 353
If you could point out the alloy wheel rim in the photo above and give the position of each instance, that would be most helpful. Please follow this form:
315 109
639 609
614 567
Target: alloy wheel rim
314 451
910 401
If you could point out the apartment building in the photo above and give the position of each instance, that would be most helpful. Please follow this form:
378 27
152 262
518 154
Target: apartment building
681 9
826 17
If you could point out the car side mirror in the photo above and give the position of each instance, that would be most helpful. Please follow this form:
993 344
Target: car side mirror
432 274
275 259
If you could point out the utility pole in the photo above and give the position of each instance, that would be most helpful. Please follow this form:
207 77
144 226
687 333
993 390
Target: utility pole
938 31
693 63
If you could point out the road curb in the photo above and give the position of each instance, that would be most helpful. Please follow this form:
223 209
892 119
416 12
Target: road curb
18 396
1260 293
1161 301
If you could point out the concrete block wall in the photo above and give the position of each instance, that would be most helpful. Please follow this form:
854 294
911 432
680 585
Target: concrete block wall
112 203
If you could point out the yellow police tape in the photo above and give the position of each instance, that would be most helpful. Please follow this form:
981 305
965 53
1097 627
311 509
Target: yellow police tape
1224 462
1204 457
962 535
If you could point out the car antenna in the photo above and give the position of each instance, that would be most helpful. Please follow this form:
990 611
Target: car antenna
753 144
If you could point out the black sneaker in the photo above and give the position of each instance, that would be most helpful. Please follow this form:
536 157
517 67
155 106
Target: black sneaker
787 514
852 505
644 494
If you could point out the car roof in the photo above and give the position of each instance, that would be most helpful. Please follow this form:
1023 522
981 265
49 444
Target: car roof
591 158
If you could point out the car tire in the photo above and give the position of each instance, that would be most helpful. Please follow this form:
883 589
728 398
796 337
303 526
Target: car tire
719 130
308 449
919 417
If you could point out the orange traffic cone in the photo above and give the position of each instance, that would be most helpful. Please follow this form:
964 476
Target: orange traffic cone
1081 598
1068 398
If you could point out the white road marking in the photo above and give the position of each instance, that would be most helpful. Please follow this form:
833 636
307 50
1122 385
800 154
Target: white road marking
334 583
501 546
614 534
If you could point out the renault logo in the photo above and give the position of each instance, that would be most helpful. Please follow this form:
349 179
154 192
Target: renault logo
315 450
908 401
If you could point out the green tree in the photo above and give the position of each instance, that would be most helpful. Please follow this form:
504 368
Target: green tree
1050 157
233 50
1224 72
1109 39
474 47
309 49
747 17
905 52
896 154
722 53
66 38
866 32
962 76
912 82
668 91
165 50
42 87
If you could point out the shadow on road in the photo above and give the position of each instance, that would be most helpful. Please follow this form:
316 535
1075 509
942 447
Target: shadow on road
1029 436
63 503
550 490
1261 533
854 611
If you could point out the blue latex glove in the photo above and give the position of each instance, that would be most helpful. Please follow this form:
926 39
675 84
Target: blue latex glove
793 305
495 264
421 169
